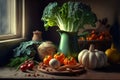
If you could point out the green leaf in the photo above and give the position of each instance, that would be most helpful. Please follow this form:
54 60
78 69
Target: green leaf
16 61
26 48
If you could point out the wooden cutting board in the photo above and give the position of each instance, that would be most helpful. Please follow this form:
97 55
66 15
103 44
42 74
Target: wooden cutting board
62 70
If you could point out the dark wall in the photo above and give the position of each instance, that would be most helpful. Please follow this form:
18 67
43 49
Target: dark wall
34 10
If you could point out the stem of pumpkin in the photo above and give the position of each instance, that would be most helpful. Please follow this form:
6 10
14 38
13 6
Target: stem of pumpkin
91 48
113 46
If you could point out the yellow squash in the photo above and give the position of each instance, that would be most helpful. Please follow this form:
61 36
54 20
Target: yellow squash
113 54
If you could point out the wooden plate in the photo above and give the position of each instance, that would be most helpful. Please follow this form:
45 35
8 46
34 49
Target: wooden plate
62 70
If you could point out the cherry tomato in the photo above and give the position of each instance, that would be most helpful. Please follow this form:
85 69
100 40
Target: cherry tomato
93 32
93 36
101 37
30 66
60 57
23 67
47 59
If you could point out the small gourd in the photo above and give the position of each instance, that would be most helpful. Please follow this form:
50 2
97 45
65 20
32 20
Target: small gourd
113 54
92 58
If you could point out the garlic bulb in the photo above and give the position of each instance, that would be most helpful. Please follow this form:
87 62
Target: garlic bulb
54 63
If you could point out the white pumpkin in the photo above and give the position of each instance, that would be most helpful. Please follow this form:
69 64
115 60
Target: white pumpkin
54 63
92 58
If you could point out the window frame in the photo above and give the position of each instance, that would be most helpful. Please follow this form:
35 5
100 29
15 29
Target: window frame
19 23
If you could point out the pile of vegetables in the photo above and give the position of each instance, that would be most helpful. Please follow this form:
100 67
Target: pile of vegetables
70 17
102 31
27 65
94 35
17 61
25 51
59 59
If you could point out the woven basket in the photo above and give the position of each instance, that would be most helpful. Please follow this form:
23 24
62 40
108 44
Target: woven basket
100 45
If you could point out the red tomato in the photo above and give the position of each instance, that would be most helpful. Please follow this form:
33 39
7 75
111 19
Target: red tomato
30 66
23 67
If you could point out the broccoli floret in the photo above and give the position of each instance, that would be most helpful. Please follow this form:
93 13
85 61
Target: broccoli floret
70 17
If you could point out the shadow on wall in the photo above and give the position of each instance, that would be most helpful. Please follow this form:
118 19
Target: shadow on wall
4 57
6 51
115 31
34 10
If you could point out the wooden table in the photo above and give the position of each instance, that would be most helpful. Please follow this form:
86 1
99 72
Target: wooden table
109 72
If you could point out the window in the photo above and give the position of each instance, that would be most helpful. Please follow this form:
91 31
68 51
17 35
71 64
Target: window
11 19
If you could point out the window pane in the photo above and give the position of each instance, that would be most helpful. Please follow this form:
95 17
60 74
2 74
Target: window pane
11 19
7 16
4 29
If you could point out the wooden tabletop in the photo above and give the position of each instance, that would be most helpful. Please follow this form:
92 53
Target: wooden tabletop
109 72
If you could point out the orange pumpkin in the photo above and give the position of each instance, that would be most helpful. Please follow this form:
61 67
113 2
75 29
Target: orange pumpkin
47 59
70 61
60 57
